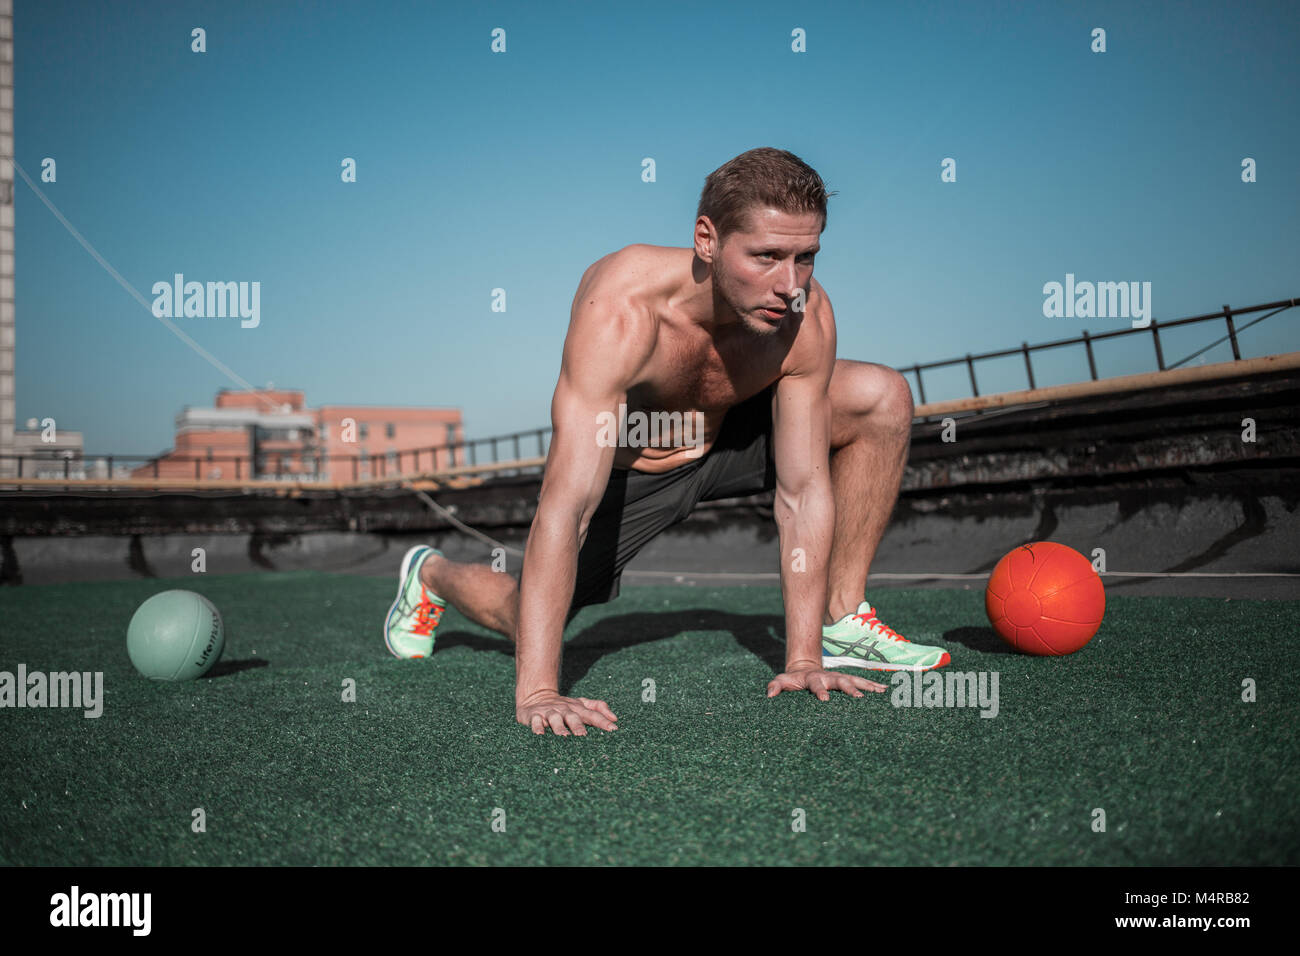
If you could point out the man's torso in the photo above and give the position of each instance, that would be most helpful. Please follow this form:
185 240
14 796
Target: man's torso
692 371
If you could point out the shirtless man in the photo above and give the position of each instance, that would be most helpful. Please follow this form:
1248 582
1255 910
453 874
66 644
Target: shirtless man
737 336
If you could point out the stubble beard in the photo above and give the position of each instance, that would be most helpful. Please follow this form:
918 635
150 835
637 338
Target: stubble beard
747 324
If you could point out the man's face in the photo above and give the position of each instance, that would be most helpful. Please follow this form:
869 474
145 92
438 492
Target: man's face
759 269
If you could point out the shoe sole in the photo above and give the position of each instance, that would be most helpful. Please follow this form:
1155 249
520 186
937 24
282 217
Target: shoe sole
407 559
874 666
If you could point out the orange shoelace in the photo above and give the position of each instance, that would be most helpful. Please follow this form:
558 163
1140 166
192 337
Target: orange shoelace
871 620
427 615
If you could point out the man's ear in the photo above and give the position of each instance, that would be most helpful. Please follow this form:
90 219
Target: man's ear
706 239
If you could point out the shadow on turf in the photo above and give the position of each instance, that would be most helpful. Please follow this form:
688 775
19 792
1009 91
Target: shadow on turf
223 668
978 639
753 632
618 631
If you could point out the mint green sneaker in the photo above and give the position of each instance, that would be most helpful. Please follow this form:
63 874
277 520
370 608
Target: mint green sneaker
414 616
861 640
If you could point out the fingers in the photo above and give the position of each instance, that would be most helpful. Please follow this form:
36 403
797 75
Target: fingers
779 684
569 719
556 719
854 685
579 717
598 719
863 684
575 722
821 683
600 707
845 684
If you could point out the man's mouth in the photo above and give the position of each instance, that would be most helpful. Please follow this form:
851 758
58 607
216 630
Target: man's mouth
773 313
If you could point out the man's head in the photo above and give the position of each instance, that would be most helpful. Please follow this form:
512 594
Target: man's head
757 227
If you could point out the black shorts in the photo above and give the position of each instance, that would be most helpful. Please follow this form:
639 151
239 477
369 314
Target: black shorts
637 506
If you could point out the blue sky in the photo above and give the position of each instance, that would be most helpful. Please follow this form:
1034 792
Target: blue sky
479 170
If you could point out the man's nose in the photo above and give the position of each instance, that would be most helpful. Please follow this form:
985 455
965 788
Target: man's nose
787 281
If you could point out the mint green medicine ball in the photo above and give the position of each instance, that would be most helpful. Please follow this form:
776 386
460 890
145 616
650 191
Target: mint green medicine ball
175 635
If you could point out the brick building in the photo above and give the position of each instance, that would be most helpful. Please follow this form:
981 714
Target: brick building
271 433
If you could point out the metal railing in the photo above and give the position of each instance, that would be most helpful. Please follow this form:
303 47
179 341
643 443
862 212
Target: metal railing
318 467
289 465
1087 340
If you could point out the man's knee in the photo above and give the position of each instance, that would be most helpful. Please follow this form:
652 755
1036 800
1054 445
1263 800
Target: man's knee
895 397
869 398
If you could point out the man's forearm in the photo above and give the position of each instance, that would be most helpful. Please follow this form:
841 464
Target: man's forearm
545 593
806 523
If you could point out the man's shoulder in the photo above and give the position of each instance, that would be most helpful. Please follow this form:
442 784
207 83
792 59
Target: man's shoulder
624 286
612 314
633 269
813 349
819 302
819 318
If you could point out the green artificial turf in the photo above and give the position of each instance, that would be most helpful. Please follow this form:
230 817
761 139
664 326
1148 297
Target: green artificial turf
1146 723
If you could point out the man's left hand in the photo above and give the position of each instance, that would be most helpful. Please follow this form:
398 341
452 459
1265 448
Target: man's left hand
821 682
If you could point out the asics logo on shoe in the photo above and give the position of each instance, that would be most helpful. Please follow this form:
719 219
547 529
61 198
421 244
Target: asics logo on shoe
860 648
868 652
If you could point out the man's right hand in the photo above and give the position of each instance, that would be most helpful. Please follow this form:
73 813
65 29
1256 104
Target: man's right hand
564 715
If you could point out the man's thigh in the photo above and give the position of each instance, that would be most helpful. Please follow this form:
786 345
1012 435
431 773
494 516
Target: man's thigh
635 509
638 507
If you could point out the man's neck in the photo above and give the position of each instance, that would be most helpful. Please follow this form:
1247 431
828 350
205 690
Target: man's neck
697 302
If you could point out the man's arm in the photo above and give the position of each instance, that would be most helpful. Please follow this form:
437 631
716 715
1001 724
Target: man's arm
804 505
607 347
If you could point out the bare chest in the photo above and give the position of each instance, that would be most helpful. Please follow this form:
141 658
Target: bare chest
708 379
